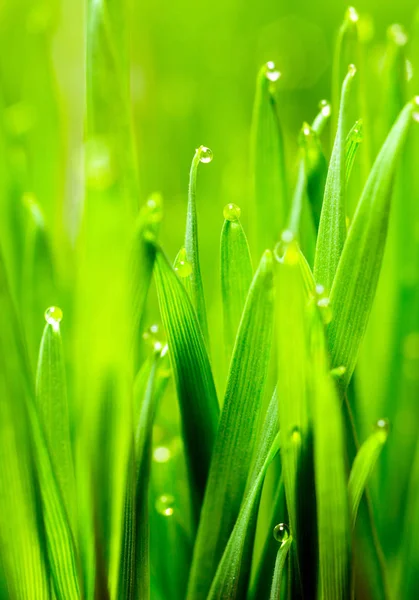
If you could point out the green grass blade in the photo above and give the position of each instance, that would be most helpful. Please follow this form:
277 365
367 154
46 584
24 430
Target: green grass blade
240 414
357 275
363 466
316 167
192 371
353 140
322 117
204 155
233 572
236 275
332 226
270 206
52 405
280 562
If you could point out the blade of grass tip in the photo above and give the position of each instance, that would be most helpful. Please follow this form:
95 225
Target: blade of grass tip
348 31
202 155
332 226
330 476
236 273
280 562
237 431
353 140
267 163
233 572
322 118
192 372
356 279
53 409
363 466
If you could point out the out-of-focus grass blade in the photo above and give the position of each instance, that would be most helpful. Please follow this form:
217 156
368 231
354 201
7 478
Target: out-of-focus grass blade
236 273
192 372
204 155
332 226
322 117
409 573
52 404
281 558
317 163
356 279
233 572
268 166
363 466
237 431
353 140
330 477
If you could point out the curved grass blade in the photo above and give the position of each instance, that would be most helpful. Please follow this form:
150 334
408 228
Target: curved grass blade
233 572
192 372
332 226
363 466
53 410
281 559
322 117
353 140
237 431
317 164
236 277
270 206
356 279
204 155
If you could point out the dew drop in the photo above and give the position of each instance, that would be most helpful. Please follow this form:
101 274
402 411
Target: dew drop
182 266
352 14
351 69
164 505
415 113
338 372
383 425
325 108
281 532
151 337
154 208
323 303
271 72
161 454
53 316
397 34
205 154
231 212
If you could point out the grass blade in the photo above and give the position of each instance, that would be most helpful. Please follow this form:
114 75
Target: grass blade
353 140
281 558
240 414
192 372
270 204
357 275
363 466
236 273
332 226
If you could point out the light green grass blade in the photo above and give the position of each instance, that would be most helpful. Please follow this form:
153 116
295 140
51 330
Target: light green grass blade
322 117
330 477
236 274
270 206
358 270
237 431
332 226
204 155
353 140
280 562
53 409
192 371
317 164
363 466
233 572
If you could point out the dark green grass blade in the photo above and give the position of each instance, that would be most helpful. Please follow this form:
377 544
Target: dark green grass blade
332 226
202 154
236 277
237 431
363 467
192 372
233 572
270 206
358 270
280 562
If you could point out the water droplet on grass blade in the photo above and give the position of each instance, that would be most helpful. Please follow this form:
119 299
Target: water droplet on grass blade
383 425
415 113
165 505
205 154
286 250
271 72
351 69
338 372
161 454
182 266
352 14
325 108
53 316
231 212
281 532
323 303
151 337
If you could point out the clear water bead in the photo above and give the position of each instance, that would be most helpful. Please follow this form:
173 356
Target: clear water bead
271 72
205 154
325 108
182 266
165 505
231 212
383 425
351 69
161 454
281 532
352 14
53 316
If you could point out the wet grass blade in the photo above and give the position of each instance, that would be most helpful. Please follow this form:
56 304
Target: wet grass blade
270 204
204 155
358 270
237 431
192 372
353 140
332 226
363 466
280 562
236 275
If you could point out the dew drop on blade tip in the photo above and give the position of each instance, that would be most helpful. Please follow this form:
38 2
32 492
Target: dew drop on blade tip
165 505
352 14
271 72
325 108
281 532
383 425
231 212
53 316
205 154
182 266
